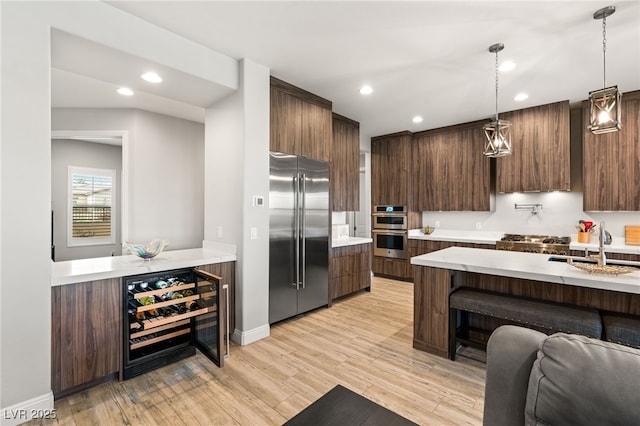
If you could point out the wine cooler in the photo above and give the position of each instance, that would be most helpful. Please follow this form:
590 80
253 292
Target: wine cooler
170 314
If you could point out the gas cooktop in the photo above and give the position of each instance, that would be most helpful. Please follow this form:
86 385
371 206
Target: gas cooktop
549 244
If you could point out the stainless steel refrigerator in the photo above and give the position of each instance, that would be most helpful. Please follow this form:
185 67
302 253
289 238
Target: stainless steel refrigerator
298 235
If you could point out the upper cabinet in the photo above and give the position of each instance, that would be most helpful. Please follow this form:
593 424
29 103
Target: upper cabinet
541 150
345 164
390 169
449 171
611 161
301 122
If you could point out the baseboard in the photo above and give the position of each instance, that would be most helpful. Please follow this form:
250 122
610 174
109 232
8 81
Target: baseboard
38 407
250 336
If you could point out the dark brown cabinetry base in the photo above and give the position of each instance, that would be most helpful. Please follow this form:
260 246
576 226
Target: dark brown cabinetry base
350 270
86 337
399 269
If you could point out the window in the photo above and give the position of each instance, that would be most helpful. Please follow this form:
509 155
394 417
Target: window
91 206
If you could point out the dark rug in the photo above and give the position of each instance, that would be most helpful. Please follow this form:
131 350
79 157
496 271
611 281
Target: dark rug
342 407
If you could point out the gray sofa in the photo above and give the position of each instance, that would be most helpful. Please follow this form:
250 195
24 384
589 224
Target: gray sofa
562 379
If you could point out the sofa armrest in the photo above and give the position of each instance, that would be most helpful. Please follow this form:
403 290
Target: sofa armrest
511 352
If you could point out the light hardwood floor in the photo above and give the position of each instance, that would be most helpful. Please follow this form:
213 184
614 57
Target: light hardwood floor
362 342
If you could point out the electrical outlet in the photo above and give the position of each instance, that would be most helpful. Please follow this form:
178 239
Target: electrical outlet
478 225
254 233
437 224
219 231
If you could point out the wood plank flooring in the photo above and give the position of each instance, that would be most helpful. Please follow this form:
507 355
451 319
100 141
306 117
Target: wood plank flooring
362 342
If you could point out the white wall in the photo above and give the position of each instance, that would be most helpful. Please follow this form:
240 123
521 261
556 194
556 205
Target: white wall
65 153
166 181
237 168
165 171
25 156
559 216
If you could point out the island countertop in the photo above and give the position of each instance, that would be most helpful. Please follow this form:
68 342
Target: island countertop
82 270
531 266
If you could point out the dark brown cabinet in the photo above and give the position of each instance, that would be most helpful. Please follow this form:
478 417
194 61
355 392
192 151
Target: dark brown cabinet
449 171
611 161
391 169
541 150
350 270
300 122
86 334
418 247
345 164
394 268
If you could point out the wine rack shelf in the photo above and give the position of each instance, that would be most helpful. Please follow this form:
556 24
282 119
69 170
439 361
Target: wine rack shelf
139 294
161 338
159 321
165 303
170 313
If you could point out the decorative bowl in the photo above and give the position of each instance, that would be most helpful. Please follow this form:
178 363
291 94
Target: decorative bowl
146 251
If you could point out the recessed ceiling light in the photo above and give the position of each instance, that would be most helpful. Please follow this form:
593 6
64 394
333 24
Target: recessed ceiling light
507 66
366 90
417 119
151 77
520 97
125 91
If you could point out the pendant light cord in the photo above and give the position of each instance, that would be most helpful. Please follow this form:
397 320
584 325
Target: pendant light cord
604 52
496 86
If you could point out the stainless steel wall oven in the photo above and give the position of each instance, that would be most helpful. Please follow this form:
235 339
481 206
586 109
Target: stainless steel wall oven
390 231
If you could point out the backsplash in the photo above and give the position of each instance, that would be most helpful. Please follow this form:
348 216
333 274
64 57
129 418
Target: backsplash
559 215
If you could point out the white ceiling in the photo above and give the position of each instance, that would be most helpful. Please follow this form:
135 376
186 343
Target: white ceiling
420 57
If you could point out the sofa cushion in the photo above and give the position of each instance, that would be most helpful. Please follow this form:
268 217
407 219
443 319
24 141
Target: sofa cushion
577 380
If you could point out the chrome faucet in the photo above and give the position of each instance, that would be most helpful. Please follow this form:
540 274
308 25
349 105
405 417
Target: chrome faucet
602 237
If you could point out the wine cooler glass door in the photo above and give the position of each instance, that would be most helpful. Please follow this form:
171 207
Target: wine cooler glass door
209 329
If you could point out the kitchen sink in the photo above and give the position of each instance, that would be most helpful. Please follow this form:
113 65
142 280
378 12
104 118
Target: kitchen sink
591 260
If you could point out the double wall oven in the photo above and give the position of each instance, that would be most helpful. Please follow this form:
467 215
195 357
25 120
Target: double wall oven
390 231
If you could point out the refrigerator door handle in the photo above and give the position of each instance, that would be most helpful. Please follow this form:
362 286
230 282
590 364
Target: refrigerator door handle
303 212
296 230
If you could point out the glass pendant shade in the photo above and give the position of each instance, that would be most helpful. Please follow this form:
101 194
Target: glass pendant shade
498 138
605 110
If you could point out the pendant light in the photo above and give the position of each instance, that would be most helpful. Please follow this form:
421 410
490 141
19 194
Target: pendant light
605 104
498 132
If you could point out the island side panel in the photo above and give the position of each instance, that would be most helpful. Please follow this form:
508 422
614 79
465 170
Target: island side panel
431 309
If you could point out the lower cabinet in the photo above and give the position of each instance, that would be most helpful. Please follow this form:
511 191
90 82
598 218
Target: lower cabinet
401 269
393 268
350 270
618 256
86 334
418 247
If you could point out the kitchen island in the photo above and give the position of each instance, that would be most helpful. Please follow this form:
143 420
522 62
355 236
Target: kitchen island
531 275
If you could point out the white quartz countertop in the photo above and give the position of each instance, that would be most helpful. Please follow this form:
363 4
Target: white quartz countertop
532 266
351 241
457 236
100 268
490 237
617 245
